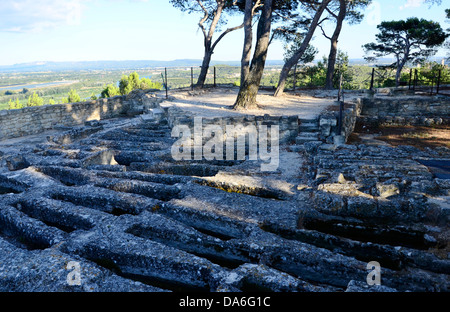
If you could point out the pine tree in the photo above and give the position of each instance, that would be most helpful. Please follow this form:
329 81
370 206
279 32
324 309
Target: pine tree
110 91
124 85
410 40
133 81
35 100
18 104
73 96
11 104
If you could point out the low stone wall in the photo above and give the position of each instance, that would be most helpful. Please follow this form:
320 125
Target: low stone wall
405 111
329 123
288 125
405 106
424 111
403 121
32 120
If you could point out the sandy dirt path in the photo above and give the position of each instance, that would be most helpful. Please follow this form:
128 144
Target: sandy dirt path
218 103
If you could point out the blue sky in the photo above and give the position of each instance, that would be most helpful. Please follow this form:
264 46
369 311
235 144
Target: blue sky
84 30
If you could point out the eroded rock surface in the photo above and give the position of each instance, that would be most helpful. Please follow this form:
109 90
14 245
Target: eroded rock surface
109 196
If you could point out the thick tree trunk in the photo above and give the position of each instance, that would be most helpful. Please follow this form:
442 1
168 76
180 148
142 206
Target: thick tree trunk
204 69
249 89
297 55
398 74
331 64
295 77
402 62
248 38
334 45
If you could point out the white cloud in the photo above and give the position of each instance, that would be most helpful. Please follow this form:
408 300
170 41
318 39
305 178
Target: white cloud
36 16
411 4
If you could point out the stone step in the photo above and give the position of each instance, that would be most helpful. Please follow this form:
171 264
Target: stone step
308 123
309 120
309 134
297 148
308 127
305 139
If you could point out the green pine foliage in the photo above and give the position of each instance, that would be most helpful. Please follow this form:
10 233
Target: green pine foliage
35 100
14 104
73 97
133 82
110 91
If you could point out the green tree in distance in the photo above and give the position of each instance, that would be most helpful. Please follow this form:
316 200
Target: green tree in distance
341 68
73 96
411 40
146 83
110 91
307 57
133 82
124 85
35 100
14 104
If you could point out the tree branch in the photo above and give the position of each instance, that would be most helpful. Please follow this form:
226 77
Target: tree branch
215 20
331 12
323 31
203 20
226 32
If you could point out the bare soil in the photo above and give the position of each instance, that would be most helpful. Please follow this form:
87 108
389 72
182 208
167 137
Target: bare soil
417 136
218 102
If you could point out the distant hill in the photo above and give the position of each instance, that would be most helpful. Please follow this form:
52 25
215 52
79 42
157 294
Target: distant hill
388 61
113 65
127 65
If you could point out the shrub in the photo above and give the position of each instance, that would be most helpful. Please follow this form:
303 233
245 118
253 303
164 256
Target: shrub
35 100
73 97
110 91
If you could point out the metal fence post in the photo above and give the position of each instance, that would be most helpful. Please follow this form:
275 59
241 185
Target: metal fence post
432 84
341 106
167 87
215 77
372 79
438 81
192 78
410 78
415 79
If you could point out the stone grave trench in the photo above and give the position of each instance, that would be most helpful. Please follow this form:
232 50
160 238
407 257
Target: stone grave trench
108 196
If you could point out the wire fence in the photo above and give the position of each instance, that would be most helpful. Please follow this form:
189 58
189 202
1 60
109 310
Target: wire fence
431 81
420 80
187 77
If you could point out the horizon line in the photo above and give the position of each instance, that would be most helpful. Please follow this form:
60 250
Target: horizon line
38 63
